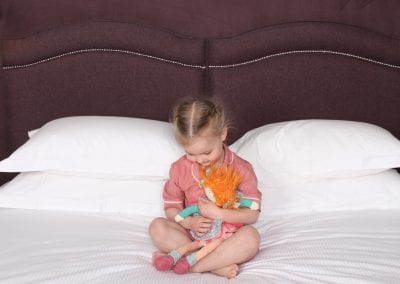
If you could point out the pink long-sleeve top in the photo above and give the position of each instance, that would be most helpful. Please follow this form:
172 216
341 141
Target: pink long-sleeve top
182 189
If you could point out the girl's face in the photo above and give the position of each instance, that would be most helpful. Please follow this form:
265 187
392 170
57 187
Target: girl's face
206 150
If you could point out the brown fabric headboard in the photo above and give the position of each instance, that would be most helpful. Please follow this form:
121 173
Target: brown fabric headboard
269 61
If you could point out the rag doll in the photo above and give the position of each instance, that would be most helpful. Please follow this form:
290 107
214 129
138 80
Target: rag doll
220 185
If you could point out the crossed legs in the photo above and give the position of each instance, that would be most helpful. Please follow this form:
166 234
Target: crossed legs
223 260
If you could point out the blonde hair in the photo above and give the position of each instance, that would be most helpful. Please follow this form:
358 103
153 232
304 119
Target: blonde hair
193 117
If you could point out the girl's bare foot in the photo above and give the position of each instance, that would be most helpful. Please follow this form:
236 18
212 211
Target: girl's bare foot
229 271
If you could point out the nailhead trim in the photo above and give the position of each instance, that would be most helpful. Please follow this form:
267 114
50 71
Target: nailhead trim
91 50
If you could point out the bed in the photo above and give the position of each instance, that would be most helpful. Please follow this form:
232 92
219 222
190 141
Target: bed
312 89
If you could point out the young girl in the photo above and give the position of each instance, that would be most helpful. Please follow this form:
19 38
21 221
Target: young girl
201 128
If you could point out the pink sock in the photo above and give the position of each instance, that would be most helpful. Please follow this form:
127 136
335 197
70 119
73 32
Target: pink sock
182 266
163 262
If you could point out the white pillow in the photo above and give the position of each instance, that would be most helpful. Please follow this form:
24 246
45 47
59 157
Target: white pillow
307 150
32 132
41 190
377 191
99 146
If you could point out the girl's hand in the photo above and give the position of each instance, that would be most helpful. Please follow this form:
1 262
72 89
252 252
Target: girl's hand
197 224
208 209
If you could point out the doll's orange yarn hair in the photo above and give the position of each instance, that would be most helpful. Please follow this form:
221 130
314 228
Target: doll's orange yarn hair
223 182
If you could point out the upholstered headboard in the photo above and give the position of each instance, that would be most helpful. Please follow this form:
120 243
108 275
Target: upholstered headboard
269 61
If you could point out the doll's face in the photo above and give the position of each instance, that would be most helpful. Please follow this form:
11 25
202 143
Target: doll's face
209 194
206 149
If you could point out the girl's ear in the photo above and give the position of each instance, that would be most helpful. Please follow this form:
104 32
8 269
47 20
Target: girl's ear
224 133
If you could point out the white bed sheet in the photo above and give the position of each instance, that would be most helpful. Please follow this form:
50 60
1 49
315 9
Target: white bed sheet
38 246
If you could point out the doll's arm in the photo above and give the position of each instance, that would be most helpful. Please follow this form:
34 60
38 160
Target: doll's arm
244 202
186 212
248 203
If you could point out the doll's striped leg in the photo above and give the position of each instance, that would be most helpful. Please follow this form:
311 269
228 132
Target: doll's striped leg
184 264
167 261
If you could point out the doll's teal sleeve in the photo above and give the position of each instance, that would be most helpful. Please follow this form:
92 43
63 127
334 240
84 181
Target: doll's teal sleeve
186 212
244 202
248 203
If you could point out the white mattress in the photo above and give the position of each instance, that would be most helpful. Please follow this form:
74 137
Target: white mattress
69 247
